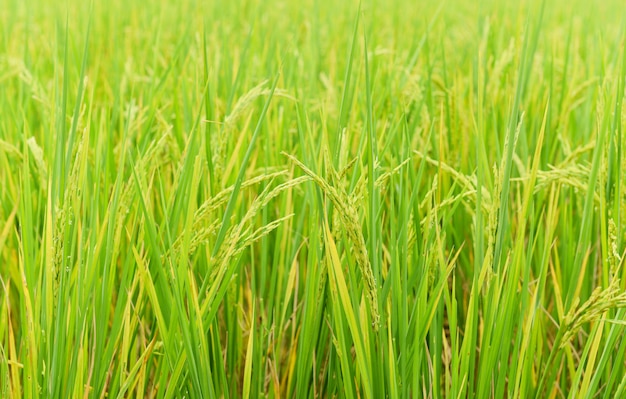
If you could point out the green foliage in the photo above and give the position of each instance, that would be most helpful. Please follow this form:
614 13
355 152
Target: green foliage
384 199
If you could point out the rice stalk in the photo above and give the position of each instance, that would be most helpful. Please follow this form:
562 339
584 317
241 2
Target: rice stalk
350 223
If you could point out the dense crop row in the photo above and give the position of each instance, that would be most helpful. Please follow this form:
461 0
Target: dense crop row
308 199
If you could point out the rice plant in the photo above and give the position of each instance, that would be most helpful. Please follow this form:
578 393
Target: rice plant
360 199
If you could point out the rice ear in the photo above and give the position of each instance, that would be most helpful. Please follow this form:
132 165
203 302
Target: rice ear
349 220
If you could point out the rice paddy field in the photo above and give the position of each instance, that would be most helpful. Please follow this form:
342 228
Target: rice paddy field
312 199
